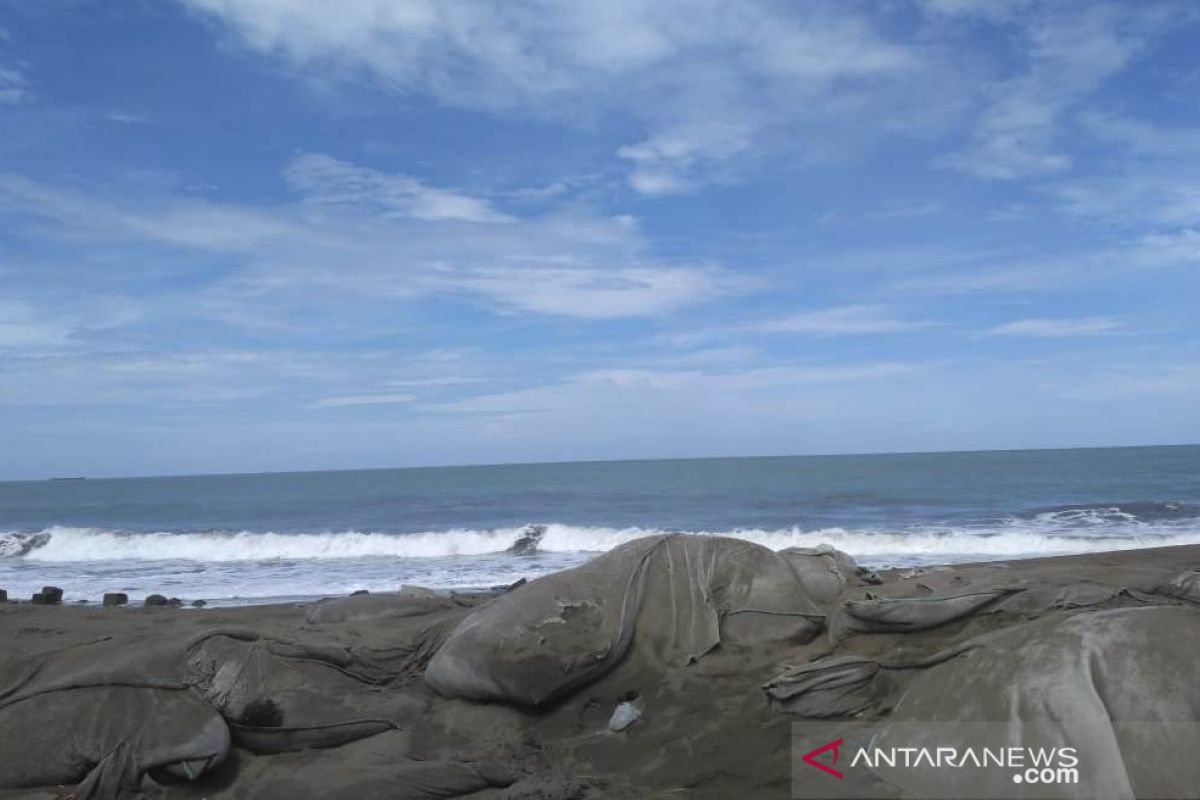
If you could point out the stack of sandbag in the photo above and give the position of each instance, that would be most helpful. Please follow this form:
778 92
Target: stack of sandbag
670 598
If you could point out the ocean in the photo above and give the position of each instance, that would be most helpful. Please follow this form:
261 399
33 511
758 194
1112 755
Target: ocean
232 539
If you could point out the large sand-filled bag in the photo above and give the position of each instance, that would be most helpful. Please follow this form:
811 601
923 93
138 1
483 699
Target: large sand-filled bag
1119 685
672 597
909 614
826 571
411 601
378 768
108 738
1185 586
99 714
281 696
835 687
106 714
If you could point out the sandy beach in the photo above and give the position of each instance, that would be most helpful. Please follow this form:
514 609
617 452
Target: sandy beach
593 400
575 686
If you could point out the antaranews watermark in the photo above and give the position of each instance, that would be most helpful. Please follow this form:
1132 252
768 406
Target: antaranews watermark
985 760
1050 765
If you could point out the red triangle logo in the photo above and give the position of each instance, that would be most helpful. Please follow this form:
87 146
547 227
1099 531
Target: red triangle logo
811 758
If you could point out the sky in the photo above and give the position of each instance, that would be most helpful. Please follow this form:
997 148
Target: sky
255 235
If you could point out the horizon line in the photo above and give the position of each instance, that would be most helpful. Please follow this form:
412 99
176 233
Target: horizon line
489 465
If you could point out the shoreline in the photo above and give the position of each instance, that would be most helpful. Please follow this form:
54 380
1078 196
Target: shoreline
355 696
211 603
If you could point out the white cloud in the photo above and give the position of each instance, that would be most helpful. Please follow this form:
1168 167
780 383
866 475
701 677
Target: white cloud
354 236
126 118
487 54
989 9
14 86
701 78
888 213
1162 194
1143 137
709 85
468 53
655 412
1071 51
756 378
1058 328
845 320
23 327
174 220
59 324
592 293
173 380
1015 137
604 385
323 179
1101 265
1137 381
434 381
671 162
364 400
712 356
1179 247
991 279
99 379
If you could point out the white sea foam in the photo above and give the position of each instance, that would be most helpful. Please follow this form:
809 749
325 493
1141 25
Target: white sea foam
249 566
1037 536
96 544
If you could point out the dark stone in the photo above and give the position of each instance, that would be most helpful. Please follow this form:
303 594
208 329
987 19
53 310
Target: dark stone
52 595
198 604
358 592
115 598
527 543
155 600
3 595
867 576
39 599
175 602
475 596
508 587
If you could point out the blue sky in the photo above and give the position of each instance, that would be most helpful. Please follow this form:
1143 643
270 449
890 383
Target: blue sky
242 235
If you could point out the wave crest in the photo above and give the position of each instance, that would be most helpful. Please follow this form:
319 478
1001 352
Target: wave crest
1018 538
1142 512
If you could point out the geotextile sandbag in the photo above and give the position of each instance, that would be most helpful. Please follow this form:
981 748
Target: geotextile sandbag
672 598
1119 685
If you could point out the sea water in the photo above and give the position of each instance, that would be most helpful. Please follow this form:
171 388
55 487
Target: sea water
258 538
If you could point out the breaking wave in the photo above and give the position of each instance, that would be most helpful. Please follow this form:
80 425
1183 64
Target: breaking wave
1139 512
1044 532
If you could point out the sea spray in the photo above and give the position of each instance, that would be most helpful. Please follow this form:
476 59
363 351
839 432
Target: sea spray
1015 538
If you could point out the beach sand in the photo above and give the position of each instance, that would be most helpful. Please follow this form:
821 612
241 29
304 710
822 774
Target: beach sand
331 700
